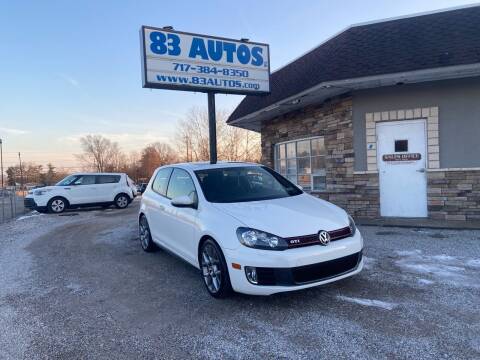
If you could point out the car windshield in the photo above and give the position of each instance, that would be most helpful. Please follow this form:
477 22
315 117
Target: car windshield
245 183
67 181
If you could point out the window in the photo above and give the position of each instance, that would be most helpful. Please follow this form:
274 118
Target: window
401 145
108 179
161 181
302 162
244 183
67 181
85 180
181 184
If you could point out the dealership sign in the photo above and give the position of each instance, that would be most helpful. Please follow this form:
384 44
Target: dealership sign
184 61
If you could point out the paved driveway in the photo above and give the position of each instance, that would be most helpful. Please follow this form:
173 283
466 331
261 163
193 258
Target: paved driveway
80 287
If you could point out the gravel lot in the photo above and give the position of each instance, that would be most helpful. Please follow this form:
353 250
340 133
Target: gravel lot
80 286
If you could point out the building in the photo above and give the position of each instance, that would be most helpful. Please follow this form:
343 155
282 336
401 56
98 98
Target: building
382 119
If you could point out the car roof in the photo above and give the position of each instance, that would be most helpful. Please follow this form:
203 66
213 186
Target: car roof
96 173
204 165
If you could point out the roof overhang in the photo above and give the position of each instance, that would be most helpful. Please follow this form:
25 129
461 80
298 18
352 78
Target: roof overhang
329 89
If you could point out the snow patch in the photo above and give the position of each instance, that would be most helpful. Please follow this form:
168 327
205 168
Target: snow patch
442 268
369 262
444 257
74 288
368 302
29 215
473 263
425 282
408 252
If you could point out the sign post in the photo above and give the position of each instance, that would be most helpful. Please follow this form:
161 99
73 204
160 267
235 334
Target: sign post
212 127
175 60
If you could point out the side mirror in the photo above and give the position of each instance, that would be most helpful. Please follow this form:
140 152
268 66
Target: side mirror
184 201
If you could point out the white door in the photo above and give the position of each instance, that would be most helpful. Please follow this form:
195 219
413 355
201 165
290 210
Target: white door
83 190
108 186
156 202
180 222
401 159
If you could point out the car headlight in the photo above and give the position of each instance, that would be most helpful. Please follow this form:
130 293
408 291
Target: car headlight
40 192
260 239
351 225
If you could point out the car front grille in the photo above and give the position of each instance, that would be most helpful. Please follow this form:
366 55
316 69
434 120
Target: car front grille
308 273
307 240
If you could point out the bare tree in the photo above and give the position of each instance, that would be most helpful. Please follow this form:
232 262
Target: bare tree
233 144
100 154
155 155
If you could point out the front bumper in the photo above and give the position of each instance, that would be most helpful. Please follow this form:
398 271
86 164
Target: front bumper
295 269
29 203
308 274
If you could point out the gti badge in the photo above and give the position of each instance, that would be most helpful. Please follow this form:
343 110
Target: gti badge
324 237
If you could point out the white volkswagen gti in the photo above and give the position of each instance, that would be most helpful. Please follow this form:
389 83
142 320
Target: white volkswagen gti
247 228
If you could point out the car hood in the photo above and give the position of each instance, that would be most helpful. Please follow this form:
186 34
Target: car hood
288 217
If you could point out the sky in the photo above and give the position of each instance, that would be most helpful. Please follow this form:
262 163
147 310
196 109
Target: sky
71 68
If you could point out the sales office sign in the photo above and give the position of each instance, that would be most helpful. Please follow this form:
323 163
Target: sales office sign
184 61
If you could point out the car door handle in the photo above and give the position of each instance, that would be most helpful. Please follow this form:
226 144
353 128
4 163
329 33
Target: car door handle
421 170
67 188
161 207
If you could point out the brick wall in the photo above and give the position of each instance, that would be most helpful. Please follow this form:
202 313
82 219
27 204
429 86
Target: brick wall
454 195
356 193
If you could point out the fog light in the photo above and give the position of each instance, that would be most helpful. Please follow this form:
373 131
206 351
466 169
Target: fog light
251 274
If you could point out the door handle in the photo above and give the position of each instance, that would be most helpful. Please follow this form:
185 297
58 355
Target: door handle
67 188
421 170
161 207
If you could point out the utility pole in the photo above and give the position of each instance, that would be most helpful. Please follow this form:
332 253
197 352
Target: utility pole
212 127
2 190
21 171
1 161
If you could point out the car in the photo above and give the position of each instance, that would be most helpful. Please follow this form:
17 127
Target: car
247 228
82 190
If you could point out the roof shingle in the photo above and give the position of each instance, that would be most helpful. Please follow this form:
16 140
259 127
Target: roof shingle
415 43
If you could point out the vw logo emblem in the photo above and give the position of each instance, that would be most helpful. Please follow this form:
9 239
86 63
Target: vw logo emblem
324 237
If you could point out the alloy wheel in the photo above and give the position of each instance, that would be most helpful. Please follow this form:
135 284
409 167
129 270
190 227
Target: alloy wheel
122 201
211 268
144 233
58 205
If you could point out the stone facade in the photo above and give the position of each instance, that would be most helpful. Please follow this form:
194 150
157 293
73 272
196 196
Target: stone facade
454 194
358 193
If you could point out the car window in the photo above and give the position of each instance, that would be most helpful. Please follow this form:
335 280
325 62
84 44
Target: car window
161 181
181 184
67 181
246 183
108 179
85 180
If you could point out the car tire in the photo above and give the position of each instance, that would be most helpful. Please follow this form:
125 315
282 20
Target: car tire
57 205
214 270
121 201
145 235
